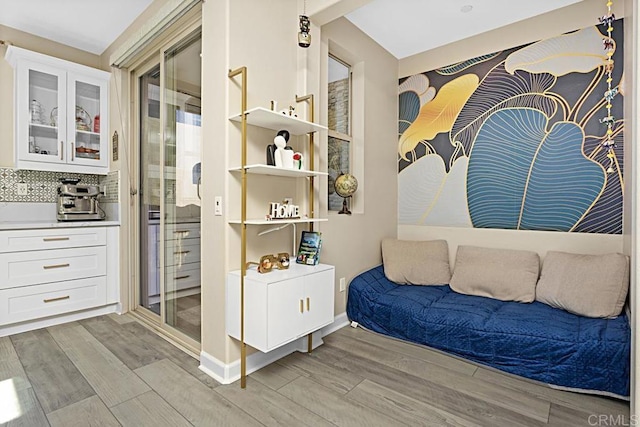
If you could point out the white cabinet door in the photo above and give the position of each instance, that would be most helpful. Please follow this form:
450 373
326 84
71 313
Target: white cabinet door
41 93
318 300
87 99
285 307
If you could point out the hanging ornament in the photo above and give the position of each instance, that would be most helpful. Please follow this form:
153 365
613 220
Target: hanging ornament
608 143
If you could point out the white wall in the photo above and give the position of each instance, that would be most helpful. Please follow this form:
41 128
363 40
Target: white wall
352 243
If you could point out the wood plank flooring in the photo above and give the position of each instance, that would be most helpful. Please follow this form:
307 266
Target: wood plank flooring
111 370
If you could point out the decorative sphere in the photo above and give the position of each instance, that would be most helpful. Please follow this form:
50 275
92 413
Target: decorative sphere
345 185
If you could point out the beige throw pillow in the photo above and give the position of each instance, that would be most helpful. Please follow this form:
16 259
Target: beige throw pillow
504 274
416 262
589 285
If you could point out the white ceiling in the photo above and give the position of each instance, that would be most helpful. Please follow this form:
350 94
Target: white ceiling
407 27
90 25
403 27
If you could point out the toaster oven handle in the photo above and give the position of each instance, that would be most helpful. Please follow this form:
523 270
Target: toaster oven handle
61 150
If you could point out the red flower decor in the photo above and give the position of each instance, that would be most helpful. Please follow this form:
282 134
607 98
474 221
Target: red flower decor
297 156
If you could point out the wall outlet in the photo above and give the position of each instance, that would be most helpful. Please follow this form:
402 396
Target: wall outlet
343 284
22 189
217 210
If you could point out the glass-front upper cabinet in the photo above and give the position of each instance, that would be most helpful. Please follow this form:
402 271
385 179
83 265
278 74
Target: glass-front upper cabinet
59 109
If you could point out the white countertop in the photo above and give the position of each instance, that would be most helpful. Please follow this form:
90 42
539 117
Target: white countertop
27 225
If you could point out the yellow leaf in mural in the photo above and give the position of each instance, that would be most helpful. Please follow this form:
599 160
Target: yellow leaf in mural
439 114
577 52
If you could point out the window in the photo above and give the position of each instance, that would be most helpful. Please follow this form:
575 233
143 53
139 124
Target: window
339 112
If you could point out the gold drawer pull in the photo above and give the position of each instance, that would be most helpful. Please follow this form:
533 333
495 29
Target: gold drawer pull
54 239
182 277
308 305
301 306
181 252
49 267
56 299
181 231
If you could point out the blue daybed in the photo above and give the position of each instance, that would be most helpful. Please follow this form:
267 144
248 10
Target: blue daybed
533 340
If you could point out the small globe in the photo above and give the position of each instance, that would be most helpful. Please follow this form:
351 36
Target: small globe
345 185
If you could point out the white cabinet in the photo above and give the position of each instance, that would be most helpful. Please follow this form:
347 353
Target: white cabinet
52 272
61 114
282 305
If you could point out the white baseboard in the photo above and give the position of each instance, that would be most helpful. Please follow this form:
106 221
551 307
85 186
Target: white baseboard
228 373
19 328
339 322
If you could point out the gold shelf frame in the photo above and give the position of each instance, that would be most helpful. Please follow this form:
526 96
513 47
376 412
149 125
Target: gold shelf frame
243 221
243 215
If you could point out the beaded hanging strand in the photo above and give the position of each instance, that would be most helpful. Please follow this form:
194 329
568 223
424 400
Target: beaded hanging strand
608 143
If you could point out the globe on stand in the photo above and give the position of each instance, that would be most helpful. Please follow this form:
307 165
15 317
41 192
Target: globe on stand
345 185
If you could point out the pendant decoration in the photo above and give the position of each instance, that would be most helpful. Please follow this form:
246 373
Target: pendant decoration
608 142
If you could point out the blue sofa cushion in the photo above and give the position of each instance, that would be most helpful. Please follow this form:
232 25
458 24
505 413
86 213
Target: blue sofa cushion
532 340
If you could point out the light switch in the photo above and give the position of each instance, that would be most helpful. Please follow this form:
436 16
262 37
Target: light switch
217 211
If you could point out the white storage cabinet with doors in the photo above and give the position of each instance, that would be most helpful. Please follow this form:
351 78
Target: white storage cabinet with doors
282 305
61 114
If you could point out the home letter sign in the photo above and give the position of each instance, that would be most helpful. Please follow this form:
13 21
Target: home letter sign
284 210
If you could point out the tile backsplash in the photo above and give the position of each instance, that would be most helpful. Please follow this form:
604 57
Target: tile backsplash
42 186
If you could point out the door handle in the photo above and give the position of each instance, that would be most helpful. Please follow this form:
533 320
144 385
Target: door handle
198 187
61 150
73 152
54 239
308 305
301 306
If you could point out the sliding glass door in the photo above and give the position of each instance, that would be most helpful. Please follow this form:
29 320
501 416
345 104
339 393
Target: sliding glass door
169 165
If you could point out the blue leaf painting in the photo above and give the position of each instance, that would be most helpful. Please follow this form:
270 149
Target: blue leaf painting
563 183
520 175
408 110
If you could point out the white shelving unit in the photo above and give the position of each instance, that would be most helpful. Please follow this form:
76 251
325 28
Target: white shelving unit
247 305
275 171
268 119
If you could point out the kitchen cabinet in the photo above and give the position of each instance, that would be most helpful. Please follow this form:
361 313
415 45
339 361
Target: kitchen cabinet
46 274
61 114
282 305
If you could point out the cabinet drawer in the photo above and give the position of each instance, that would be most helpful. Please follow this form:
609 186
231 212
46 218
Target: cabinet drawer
184 230
55 238
183 277
30 268
182 252
32 302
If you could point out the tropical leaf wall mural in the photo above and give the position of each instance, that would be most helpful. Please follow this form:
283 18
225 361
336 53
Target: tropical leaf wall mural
512 139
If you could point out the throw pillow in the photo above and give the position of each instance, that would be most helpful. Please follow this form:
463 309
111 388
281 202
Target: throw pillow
504 274
589 285
416 262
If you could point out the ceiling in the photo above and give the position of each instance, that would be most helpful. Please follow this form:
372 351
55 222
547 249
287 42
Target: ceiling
90 25
403 27
407 27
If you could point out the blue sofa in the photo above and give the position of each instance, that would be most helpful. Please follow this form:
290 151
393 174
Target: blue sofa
532 340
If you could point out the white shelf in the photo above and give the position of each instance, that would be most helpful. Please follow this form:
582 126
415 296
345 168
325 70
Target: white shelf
87 132
268 119
275 171
278 221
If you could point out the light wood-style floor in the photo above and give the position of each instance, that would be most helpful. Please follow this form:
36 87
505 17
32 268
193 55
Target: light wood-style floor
111 370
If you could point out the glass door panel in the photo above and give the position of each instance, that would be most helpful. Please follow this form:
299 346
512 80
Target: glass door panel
181 175
149 185
87 121
46 140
